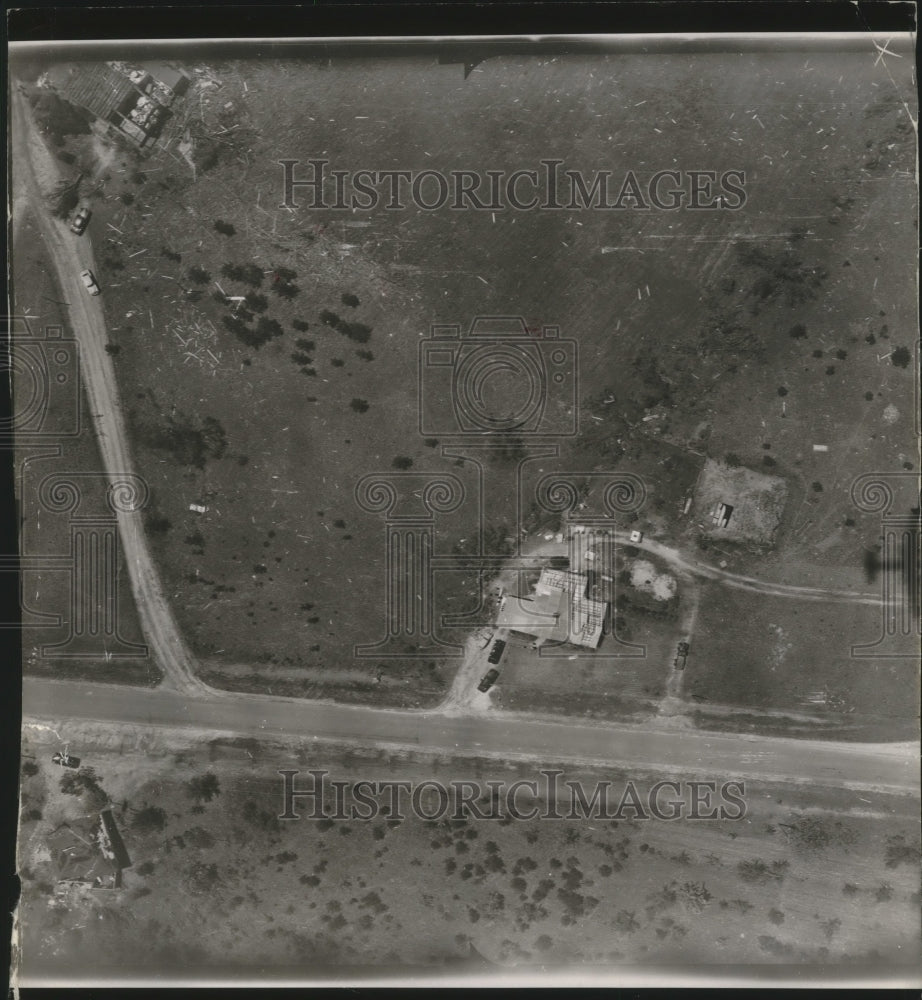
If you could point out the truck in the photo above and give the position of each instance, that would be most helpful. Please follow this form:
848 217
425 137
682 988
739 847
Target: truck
681 654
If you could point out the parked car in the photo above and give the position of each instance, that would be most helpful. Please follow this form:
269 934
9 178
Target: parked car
81 221
65 760
496 653
679 662
90 281
489 679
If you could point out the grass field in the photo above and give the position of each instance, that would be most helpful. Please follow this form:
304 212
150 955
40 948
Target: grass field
759 652
752 333
807 878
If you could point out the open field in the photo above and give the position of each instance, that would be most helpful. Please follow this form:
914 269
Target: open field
745 336
806 877
758 652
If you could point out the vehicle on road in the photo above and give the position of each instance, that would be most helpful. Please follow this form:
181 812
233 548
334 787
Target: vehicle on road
81 221
65 759
496 653
679 662
89 280
488 680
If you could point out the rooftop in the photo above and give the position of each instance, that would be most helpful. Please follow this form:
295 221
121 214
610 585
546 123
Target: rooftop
96 87
559 610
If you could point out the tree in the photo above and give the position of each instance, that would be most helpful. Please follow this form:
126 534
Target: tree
64 198
898 852
402 462
225 228
249 274
149 819
204 787
57 116
900 358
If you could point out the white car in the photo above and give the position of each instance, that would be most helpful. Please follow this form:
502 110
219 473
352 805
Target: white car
87 278
81 221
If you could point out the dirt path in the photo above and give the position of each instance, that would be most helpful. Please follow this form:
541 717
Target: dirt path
727 579
70 255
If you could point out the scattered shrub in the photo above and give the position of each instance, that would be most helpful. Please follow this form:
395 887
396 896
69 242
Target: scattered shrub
249 274
204 787
900 358
149 819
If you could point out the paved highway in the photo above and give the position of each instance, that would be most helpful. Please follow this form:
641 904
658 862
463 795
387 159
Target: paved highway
640 749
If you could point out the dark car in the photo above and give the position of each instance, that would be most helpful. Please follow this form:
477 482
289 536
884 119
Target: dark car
81 221
496 652
66 760
682 652
489 679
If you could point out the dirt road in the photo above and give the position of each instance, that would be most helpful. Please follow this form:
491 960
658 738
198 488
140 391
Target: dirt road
70 255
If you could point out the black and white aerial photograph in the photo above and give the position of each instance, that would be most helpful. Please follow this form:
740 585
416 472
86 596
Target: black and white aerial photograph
467 508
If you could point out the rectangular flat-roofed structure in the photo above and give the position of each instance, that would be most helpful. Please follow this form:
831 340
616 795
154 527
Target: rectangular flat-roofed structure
559 611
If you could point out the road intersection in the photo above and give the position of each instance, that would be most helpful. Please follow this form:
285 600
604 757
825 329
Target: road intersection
660 746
